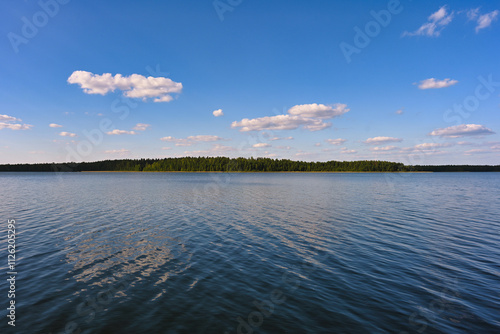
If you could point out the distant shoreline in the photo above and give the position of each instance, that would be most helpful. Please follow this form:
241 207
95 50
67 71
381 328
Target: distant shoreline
243 172
241 165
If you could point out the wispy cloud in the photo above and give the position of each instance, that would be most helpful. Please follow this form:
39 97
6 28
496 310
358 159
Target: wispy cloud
462 130
120 152
6 122
432 83
218 113
191 139
67 134
281 138
141 127
381 140
399 111
484 21
338 141
116 132
345 150
383 148
431 146
133 86
310 116
260 145
215 150
436 22
54 125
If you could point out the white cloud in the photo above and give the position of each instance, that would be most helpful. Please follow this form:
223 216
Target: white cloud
6 123
462 130
485 20
399 112
436 22
315 110
384 148
380 140
215 150
120 132
338 141
191 139
347 151
281 138
431 146
476 151
166 148
15 126
121 151
280 122
309 116
54 125
67 134
204 138
141 127
260 145
218 113
7 118
432 83
133 86
472 14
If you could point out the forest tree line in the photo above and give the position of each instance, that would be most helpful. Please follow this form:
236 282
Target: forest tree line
224 164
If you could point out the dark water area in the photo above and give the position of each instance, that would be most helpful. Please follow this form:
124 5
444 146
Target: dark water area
252 252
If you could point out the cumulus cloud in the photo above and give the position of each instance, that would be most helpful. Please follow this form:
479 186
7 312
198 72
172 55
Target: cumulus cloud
121 151
338 141
383 148
191 139
315 110
133 86
462 130
141 127
7 118
67 134
6 122
120 132
218 113
310 116
260 145
280 122
484 21
436 22
54 125
432 83
15 126
381 140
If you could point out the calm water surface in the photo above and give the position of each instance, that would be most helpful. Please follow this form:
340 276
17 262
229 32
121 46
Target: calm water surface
253 253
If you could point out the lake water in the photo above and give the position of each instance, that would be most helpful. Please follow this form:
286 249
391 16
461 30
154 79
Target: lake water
253 253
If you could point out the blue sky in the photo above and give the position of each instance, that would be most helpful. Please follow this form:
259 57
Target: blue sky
416 82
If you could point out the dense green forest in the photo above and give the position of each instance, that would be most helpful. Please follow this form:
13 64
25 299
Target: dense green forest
223 164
